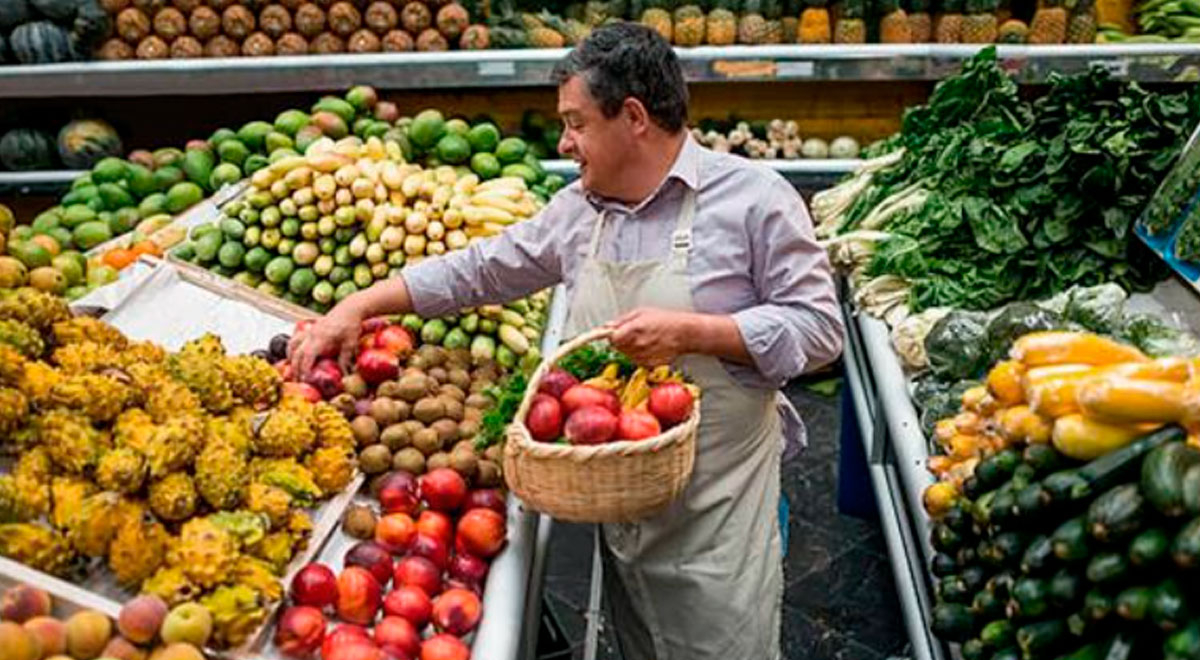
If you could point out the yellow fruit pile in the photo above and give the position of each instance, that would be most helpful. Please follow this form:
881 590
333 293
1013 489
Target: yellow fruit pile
153 463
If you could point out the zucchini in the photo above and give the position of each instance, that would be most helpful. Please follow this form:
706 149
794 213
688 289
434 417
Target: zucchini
1065 588
998 634
972 488
1121 465
1001 585
943 565
1031 597
952 622
1078 624
974 577
1191 490
953 589
986 606
981 510
1185 643
945 539
1186 547
1038 555
1133 603
1093 651
958 519
983 550
1097 604
1107 568
1007 548
1060 485
1149 547
974 649
1011 653
966 555
1003 507
1071 540
1032 499
1036 639
1117 513
1022 477
997 468
1162 477
1168 608
1042 458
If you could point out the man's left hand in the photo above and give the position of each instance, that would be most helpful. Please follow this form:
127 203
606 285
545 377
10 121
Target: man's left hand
653 337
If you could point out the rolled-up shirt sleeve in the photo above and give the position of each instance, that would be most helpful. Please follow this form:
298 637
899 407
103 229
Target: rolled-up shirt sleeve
797 326
521 260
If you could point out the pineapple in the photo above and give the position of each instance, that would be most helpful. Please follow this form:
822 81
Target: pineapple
773 12
1081 29
657 16
721 23
893 23
979 25
689 25
752 26
1012 31
850 28
920 23
948 27
1049 24
22 337
815 26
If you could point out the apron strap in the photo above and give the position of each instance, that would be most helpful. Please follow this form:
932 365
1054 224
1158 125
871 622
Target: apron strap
594 243
681 239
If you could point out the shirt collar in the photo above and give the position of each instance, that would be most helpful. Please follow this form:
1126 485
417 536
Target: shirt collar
685 169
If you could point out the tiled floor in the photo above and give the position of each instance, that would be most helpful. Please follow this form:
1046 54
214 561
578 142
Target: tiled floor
840 602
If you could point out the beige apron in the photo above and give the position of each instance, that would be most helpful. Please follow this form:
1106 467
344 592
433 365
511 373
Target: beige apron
704 579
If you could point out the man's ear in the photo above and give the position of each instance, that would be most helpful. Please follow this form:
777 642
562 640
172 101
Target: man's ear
635 113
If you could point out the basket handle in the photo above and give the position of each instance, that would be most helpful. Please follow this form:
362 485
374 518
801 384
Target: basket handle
584 339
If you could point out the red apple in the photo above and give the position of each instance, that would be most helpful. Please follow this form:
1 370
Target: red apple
410 602
436 524
399 633
591 425
300 631
418 572
556 382
545 418
443 489
395 532
582 396
637 424
372 556
315 585
487 498
302 390
671 403
326 376
468 568
482 532
398 493
445 647
395 339
432 548
457 611
376 365
359 595
343 635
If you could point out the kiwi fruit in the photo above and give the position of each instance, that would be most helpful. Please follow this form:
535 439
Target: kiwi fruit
359 521
453 391
375 459
395 437
429 410
344 403
480 386
412 426
465 462
389 389
365 429
459 378
440 375
468 429
446 429
478 400
454 409
458 358
472 415
437 460
427 441
463 445
487 474
411 388
410 460
495 453
385 411
355 386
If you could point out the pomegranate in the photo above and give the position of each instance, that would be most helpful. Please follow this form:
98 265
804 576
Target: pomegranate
315 585
457 611
302 390
395 532
359 595
443 489
582 396
432 548
482 532
301 630
556 382
418 572
545 418
591 425
393 632
436 524
637 424
468 569
398 493
376 365
372 556
445 647
395 339
487 498
410 602
326 376
671 403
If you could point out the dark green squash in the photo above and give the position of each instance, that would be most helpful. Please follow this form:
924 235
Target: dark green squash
13 13
1191 490
944 565
1117 513
1186 547
85 142
26 149
1121 465
998 634
91 25
1097 604
1169 608
1162 477
1071 540
986 606
1149 547
1107 568
41 42
952 622
1030 598
1065 588
56 10
1038 638
1038 556
1133 604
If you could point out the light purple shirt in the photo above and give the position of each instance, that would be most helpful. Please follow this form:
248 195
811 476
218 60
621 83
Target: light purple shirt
754 257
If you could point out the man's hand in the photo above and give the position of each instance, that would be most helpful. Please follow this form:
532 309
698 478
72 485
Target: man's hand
333 334
653 337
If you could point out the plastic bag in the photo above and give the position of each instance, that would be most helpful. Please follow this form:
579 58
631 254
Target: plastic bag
956 346
1014 321
1156 337
908 337
1098 308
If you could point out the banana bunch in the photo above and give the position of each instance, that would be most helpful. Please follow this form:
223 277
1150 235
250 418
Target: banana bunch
1160 21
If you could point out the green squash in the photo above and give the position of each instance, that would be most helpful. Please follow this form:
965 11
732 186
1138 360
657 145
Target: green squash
85 142
26 149
13 13
57 10
91 25
41 42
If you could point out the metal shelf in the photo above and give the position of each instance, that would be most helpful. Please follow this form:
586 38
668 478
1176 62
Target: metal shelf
47 181
532 67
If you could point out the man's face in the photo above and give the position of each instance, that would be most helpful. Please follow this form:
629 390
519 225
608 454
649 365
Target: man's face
597 143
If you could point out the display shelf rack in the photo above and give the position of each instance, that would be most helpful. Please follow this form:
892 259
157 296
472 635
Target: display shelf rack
532 67
32 183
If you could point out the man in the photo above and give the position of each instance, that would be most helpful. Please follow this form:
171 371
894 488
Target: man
696 259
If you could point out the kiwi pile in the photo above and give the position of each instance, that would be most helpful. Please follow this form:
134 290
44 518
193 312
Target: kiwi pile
427 418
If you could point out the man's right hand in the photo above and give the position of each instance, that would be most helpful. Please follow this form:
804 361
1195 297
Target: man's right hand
336 333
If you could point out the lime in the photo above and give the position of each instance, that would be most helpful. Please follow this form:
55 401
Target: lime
427 128
485 165
511 150
453 148
484 137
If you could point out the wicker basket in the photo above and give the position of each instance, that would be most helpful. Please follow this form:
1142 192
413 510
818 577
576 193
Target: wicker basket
621 481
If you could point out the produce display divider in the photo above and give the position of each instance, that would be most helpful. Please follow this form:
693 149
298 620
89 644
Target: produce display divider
1185 174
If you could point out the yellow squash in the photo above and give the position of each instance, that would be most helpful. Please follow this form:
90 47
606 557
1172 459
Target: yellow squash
1038 349
1083 438
1128 400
